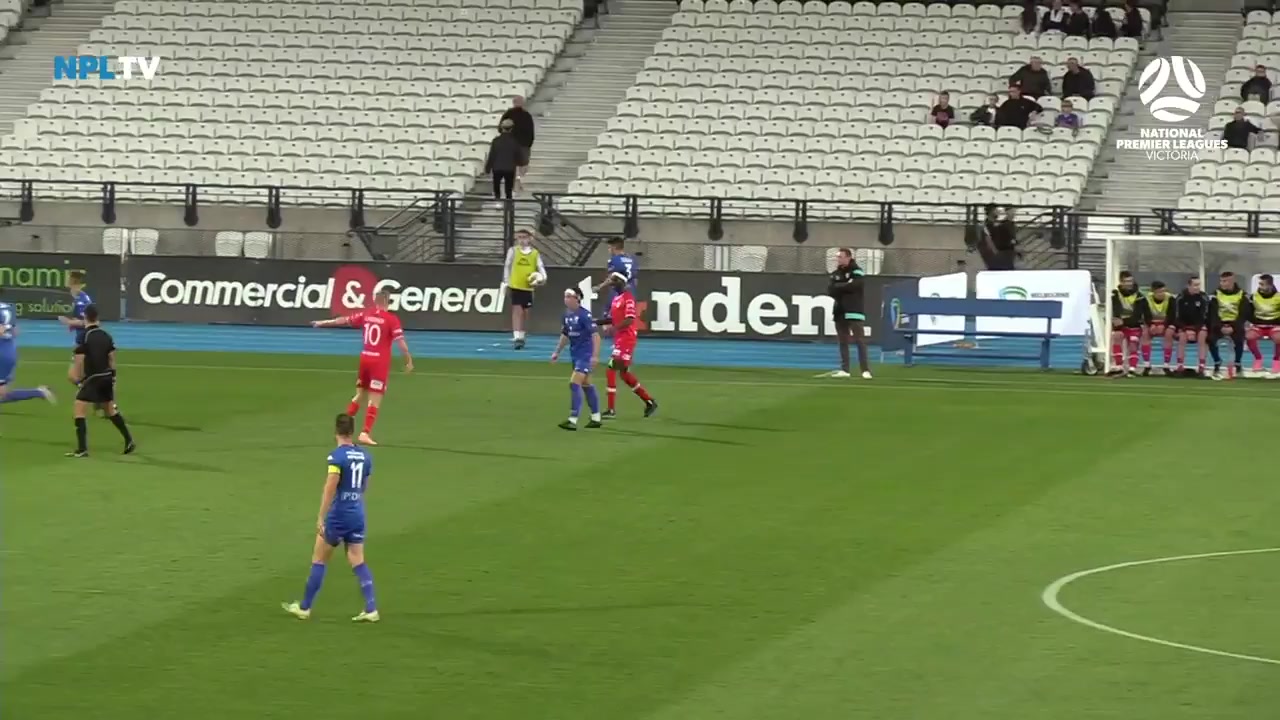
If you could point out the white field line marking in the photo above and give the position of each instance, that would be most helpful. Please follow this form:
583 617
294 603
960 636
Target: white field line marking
928 384
1050 599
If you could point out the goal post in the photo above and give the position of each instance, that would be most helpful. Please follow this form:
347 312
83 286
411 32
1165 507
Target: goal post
1174 259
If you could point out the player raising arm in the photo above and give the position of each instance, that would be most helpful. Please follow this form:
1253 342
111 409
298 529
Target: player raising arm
622 318
1128 324
380 327
1159 307
341 520
1264 322
9 360
1191 311
578 331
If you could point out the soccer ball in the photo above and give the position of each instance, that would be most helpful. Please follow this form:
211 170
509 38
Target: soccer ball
537 279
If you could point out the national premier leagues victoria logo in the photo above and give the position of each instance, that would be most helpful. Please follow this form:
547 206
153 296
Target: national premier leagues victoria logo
1171 89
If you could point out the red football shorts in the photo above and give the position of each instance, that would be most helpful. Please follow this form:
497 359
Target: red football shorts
1157 329
372 375
1131 334
1264 331
623 350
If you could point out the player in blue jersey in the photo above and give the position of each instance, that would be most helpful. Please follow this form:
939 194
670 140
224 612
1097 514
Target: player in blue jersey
79 301
341 520
9 360
619 263
578 331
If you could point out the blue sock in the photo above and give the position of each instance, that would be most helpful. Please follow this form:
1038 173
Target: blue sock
314 581
20 395
575 391
593 399
366 586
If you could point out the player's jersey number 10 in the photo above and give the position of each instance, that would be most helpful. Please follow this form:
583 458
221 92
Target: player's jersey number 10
372 335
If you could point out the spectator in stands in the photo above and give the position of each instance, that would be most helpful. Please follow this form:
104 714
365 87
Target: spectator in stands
986 115
1077 20
1032 79
1077 81
998 246
1068 117
506 154
523 128
1132 19
1104 25
1017 110
1030 19
1238 132
942 113
1257 87
1056 18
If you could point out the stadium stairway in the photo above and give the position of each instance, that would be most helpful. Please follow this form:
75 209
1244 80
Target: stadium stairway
1127 181
571 107
28 68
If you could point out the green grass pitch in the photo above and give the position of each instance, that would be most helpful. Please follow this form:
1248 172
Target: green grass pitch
770 547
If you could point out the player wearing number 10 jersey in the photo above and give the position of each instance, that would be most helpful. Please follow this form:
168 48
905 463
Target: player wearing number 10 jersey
380 327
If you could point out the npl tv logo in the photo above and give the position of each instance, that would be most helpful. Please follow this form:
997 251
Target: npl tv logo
83 67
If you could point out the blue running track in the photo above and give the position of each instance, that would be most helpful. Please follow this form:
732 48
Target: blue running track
493 346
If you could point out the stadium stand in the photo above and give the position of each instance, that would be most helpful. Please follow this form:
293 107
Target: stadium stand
782 101
379 94
1238 180
10 16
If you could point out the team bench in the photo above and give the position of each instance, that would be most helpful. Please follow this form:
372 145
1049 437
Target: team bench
1048 310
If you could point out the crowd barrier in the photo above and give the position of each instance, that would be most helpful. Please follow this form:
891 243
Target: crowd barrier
454 296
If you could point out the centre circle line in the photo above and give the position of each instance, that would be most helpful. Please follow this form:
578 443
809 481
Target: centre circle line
1050 598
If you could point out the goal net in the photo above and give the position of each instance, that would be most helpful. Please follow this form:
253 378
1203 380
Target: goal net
1174 259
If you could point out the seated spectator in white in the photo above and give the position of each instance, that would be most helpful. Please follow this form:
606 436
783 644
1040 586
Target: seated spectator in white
986 115
1077 81
1033 79
1239 130
942 113
1132 20
1078 20
1017 110
1257 87
1068 117
1030 18
1056 18
1104 25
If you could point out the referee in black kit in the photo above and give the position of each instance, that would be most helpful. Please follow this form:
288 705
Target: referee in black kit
95 372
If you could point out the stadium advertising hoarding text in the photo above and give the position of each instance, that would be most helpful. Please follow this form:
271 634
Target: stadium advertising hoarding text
36 283
467 297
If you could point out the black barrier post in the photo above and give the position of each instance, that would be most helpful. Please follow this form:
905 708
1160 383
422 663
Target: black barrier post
715 227
508 223
800 228
109 203
274 220
357 210
1166 221
1253 224
886 224
631 217
449 207
27 207
190 214
1058 229
1074 228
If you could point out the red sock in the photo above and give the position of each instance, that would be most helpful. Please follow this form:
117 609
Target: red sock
611 378
1117 354
1133 356
1254 348
1146 354
352 408
1275 353
633 382
370 417
1168 353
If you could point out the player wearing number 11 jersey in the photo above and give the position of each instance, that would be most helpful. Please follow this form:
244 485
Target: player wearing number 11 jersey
341 520
380 327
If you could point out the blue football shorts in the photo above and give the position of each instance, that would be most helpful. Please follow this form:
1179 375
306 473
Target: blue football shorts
8 366
344 529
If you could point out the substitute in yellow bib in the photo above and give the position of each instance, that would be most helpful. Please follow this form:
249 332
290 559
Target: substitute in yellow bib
1160 307
522 272
1227 310
1264 323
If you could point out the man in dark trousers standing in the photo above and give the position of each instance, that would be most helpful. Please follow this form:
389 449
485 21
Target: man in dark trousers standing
94 372
846 287
505 156
522 121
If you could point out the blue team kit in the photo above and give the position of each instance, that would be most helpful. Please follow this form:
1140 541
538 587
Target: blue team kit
344 522
580 328
8 344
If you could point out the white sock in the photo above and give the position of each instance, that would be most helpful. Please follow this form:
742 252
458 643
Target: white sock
595 416
519 334
573 420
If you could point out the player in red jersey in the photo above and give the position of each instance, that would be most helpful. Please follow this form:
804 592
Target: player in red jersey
622 319
380 328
